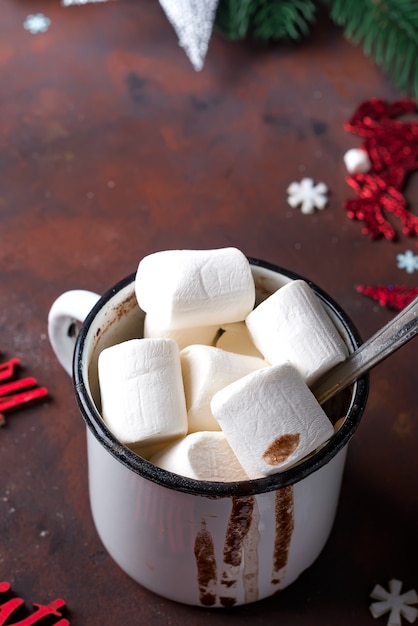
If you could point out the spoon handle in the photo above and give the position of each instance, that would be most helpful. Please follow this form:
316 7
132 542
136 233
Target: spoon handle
395 334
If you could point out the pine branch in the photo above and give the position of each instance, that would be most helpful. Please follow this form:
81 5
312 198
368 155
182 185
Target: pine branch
265 20
233 17
283 19
388 31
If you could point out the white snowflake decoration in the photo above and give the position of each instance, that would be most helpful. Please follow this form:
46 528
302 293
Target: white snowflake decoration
37 23
307 195
394 603
408 261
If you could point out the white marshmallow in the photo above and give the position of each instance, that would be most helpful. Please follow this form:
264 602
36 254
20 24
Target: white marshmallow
142 390
183 337
293 325
184 288
202 456
235 338
207 369
357 161
271 419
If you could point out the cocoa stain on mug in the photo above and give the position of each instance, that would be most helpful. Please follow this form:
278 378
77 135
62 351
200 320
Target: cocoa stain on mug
115 317
241 542
285 524
262 292
238 526
206 565
281 449
251 561
241 539
125 307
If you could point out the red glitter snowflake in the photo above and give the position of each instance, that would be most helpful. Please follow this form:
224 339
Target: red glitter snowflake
392 146
393 296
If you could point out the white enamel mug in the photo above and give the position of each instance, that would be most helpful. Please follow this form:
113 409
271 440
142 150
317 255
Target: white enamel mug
196 542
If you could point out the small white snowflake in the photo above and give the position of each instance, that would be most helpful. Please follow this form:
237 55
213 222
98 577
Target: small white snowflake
408 261
307 195
394 603
37 23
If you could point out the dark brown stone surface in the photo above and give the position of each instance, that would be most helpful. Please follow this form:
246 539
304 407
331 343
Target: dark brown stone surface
112 147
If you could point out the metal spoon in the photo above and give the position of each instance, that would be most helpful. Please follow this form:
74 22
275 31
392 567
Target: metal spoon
395 334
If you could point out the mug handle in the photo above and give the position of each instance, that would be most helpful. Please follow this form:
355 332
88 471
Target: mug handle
69 308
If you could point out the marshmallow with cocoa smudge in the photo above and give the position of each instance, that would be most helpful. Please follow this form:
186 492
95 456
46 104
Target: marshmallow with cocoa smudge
271 419
206 370
202 456
293 325
141 390
235 338
195 288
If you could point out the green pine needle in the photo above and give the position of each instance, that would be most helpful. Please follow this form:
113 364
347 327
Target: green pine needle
233 17
388 31
283 19
265 20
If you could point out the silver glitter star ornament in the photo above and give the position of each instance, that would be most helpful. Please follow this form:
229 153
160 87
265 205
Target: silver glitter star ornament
193 22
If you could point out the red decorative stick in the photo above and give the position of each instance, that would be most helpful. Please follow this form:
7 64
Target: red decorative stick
9 400
10 606
8 369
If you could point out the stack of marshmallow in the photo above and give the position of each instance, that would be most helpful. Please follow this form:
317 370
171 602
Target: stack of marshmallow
219 388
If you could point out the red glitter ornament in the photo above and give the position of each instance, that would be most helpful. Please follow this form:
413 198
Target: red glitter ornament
392 146
393 296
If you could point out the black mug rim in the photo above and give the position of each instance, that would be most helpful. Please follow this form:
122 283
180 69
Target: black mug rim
147 470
